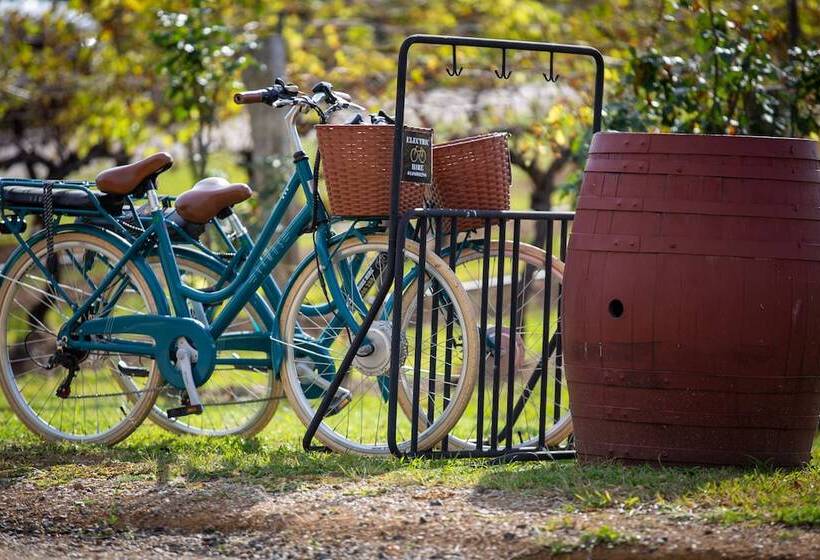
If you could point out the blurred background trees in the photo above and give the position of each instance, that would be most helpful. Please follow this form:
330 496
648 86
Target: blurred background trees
200 60
742 73
85 84
76 86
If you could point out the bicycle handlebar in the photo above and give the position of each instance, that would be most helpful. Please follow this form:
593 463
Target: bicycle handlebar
249 97
281 94
269 95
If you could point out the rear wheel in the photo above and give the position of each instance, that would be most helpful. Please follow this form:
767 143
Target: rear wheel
92 404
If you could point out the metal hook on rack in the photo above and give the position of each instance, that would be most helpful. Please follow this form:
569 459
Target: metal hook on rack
503 74
456 71
552 76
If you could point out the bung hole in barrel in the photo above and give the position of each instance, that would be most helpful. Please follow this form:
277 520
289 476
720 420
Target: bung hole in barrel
616 308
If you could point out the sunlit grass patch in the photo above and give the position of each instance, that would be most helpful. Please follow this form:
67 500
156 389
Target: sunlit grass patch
604 536
788 497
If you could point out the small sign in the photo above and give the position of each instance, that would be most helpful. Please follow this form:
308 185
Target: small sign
417 156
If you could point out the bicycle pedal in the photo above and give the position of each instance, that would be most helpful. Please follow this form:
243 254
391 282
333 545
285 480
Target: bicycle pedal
342 399
184 411
131 371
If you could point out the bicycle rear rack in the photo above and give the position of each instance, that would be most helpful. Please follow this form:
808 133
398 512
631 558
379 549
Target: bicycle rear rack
497 439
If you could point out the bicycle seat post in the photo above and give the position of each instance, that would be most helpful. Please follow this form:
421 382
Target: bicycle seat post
154 204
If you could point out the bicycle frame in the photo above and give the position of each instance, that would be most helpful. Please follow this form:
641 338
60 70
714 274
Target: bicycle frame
254 271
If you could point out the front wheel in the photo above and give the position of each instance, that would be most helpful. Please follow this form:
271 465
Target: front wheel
316 339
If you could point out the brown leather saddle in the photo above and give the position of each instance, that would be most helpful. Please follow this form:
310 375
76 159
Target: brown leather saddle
126 179
115 184
199 205
209 198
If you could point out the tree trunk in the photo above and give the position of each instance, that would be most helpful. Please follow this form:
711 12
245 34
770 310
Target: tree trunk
794 23
541 200
269 134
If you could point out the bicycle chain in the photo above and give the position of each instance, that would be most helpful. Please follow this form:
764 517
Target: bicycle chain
148 391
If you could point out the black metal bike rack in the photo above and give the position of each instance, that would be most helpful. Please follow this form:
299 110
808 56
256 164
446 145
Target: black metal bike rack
488 443
501 394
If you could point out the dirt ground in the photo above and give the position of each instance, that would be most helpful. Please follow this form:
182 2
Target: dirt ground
120 518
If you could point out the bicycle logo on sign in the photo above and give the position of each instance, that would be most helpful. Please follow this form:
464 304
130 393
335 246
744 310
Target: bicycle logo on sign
418 154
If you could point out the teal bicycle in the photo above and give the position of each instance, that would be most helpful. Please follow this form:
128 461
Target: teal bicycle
245 393
118 331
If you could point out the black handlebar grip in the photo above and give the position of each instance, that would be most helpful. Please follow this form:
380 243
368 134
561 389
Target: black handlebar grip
267 95
249 97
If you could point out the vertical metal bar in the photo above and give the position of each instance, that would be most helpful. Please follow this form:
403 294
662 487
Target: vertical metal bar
395 249
528 390
598 99
431 383
545 336
420 282
482 333
398 140
448 351
513 330
564 235
559 355
397 267
499 325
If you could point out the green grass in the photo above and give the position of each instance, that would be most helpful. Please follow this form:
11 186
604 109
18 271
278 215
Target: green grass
276 461
600 537
604 536
791 498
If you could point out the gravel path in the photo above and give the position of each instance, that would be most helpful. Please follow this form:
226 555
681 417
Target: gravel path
111 518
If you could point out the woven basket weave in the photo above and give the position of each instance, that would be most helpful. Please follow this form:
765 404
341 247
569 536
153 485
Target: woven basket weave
358 164
474 174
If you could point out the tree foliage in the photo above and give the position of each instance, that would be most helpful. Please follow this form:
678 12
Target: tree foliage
74 86
712 67
201 60
732 80
81 82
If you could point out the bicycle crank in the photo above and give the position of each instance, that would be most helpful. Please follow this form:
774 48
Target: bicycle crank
187 355
101 335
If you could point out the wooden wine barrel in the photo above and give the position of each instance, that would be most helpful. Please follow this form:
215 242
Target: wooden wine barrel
691 328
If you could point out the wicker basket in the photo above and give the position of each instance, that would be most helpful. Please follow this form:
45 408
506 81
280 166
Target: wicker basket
358 164
474 174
